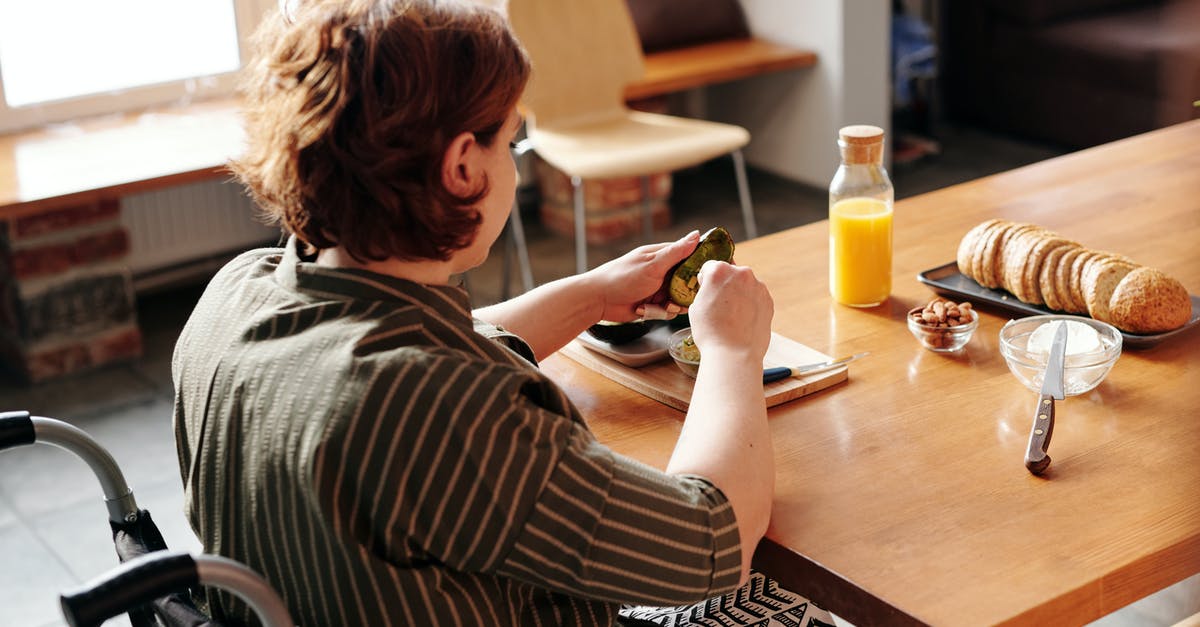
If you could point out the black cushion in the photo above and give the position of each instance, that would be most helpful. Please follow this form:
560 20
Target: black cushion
1033 12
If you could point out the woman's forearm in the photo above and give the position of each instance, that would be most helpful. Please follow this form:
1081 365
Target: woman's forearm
726 439
550 315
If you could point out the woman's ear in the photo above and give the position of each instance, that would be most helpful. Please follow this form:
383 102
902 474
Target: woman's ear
459 168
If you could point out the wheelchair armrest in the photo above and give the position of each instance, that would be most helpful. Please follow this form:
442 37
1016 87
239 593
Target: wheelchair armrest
16 429
161 573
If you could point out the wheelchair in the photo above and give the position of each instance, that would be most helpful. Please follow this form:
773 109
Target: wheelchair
151 583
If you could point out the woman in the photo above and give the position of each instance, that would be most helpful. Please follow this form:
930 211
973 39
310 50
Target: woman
381 454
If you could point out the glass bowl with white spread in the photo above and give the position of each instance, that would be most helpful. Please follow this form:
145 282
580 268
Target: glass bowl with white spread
1092 349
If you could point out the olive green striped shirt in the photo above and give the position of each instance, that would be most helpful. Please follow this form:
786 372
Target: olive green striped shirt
383 458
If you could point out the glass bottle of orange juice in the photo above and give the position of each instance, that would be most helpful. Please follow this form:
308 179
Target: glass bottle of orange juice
860 220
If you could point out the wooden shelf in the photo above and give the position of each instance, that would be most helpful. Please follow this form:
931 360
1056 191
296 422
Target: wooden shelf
716 62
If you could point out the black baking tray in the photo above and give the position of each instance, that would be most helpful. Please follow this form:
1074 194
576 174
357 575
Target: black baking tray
948 281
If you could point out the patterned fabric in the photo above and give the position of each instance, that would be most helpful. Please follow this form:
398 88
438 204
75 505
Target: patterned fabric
759 603
363 443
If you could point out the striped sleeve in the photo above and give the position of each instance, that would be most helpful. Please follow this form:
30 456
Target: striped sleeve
607 527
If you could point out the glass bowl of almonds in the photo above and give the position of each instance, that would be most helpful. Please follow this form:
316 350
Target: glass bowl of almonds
943 326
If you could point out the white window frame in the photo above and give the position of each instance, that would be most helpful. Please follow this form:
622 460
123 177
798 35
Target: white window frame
248 14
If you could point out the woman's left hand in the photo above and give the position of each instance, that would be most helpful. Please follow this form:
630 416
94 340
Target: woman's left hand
629 282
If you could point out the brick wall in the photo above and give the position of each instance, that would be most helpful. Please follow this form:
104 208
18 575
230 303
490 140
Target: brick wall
66 295
612 207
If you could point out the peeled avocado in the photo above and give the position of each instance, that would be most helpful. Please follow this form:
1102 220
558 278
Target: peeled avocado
682 282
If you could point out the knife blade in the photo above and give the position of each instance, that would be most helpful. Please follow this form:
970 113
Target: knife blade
782 372
1036 459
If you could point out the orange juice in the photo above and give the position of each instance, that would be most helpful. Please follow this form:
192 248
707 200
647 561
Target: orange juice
860 251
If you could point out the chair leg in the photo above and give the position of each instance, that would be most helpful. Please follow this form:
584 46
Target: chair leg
581 260
516 234
647 212
739 170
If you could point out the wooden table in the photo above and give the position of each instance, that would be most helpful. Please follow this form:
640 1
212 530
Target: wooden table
902 496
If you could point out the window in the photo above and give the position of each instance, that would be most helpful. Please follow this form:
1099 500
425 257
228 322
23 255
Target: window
64 59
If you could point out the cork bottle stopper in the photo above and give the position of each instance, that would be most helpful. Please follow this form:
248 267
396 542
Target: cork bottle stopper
861 143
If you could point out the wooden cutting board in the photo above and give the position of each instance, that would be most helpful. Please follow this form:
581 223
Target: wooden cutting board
664 382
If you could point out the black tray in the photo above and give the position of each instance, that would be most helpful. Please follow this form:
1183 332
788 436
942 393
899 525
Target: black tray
948 281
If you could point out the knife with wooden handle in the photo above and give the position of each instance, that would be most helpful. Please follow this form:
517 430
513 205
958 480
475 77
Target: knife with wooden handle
1036 459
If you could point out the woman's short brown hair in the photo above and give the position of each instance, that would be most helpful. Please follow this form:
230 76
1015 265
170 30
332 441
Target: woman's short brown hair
350 106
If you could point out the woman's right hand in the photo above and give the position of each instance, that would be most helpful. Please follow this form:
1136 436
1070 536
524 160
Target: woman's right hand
732 311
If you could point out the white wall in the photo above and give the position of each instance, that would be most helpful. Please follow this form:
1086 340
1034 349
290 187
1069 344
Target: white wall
794 116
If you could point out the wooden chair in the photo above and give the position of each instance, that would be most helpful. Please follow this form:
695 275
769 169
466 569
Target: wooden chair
584 53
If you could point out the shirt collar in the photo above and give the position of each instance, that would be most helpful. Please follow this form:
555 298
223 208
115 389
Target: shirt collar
301 273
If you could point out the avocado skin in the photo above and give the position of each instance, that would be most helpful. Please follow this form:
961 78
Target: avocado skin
616 333
682 283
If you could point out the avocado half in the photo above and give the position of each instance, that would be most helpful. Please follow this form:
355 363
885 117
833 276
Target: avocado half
682 281
618 332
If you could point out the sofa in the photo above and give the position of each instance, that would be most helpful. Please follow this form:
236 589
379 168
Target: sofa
1072 73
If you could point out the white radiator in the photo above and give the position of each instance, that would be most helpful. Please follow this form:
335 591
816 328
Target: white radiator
182 233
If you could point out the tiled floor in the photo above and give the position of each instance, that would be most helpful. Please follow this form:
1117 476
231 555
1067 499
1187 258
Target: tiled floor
53 531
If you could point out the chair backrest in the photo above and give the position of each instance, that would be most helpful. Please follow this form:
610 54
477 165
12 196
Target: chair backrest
584 53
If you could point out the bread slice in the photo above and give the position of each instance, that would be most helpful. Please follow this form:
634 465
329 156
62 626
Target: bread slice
1149 301
1031 271
1046 276
1062 286
992 262
966 246
1020 262
1100 280
978 267
1075 285
1016 258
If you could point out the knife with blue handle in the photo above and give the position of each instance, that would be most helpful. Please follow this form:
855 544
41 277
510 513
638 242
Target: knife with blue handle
1036 459
782 372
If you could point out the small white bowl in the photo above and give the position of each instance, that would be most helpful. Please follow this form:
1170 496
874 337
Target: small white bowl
689 366
1083 372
